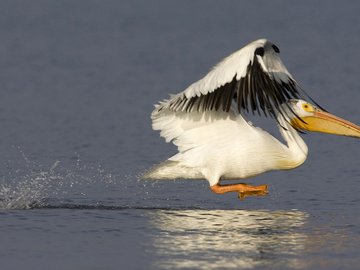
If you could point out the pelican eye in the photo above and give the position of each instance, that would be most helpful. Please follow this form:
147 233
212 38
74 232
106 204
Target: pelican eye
307 107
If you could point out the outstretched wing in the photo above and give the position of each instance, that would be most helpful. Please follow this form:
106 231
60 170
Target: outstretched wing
254 77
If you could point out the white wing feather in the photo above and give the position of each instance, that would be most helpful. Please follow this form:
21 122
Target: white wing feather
217 143
264 78
236 65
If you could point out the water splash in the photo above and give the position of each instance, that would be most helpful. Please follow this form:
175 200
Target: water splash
24 190
32 185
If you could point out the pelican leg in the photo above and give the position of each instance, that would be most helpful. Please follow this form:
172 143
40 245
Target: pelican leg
243 190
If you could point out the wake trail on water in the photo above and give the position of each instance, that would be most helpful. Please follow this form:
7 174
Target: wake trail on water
99 206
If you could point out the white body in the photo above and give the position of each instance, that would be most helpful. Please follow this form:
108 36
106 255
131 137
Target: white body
219 145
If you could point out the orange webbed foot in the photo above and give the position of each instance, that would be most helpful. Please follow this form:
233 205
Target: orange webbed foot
243 190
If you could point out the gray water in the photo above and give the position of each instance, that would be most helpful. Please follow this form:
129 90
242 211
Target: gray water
78 81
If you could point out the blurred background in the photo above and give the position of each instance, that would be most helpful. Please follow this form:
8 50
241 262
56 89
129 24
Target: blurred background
78 81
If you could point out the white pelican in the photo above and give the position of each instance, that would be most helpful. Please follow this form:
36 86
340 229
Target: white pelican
214 140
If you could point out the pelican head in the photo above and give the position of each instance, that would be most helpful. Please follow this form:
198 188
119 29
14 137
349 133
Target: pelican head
309 117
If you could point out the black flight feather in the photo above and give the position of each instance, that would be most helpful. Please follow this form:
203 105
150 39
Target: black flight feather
257 91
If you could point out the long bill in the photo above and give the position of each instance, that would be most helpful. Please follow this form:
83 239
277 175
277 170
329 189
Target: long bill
325 122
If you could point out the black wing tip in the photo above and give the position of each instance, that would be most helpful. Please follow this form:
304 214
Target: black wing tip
258 90
259 51
275 48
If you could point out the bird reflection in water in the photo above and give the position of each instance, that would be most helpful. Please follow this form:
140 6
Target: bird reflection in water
218 239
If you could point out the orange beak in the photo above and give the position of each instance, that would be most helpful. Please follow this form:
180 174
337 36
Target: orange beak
327 123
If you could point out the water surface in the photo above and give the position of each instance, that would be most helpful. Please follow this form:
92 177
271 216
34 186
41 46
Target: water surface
78 82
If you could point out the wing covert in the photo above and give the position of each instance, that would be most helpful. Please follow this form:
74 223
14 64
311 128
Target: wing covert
253 77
